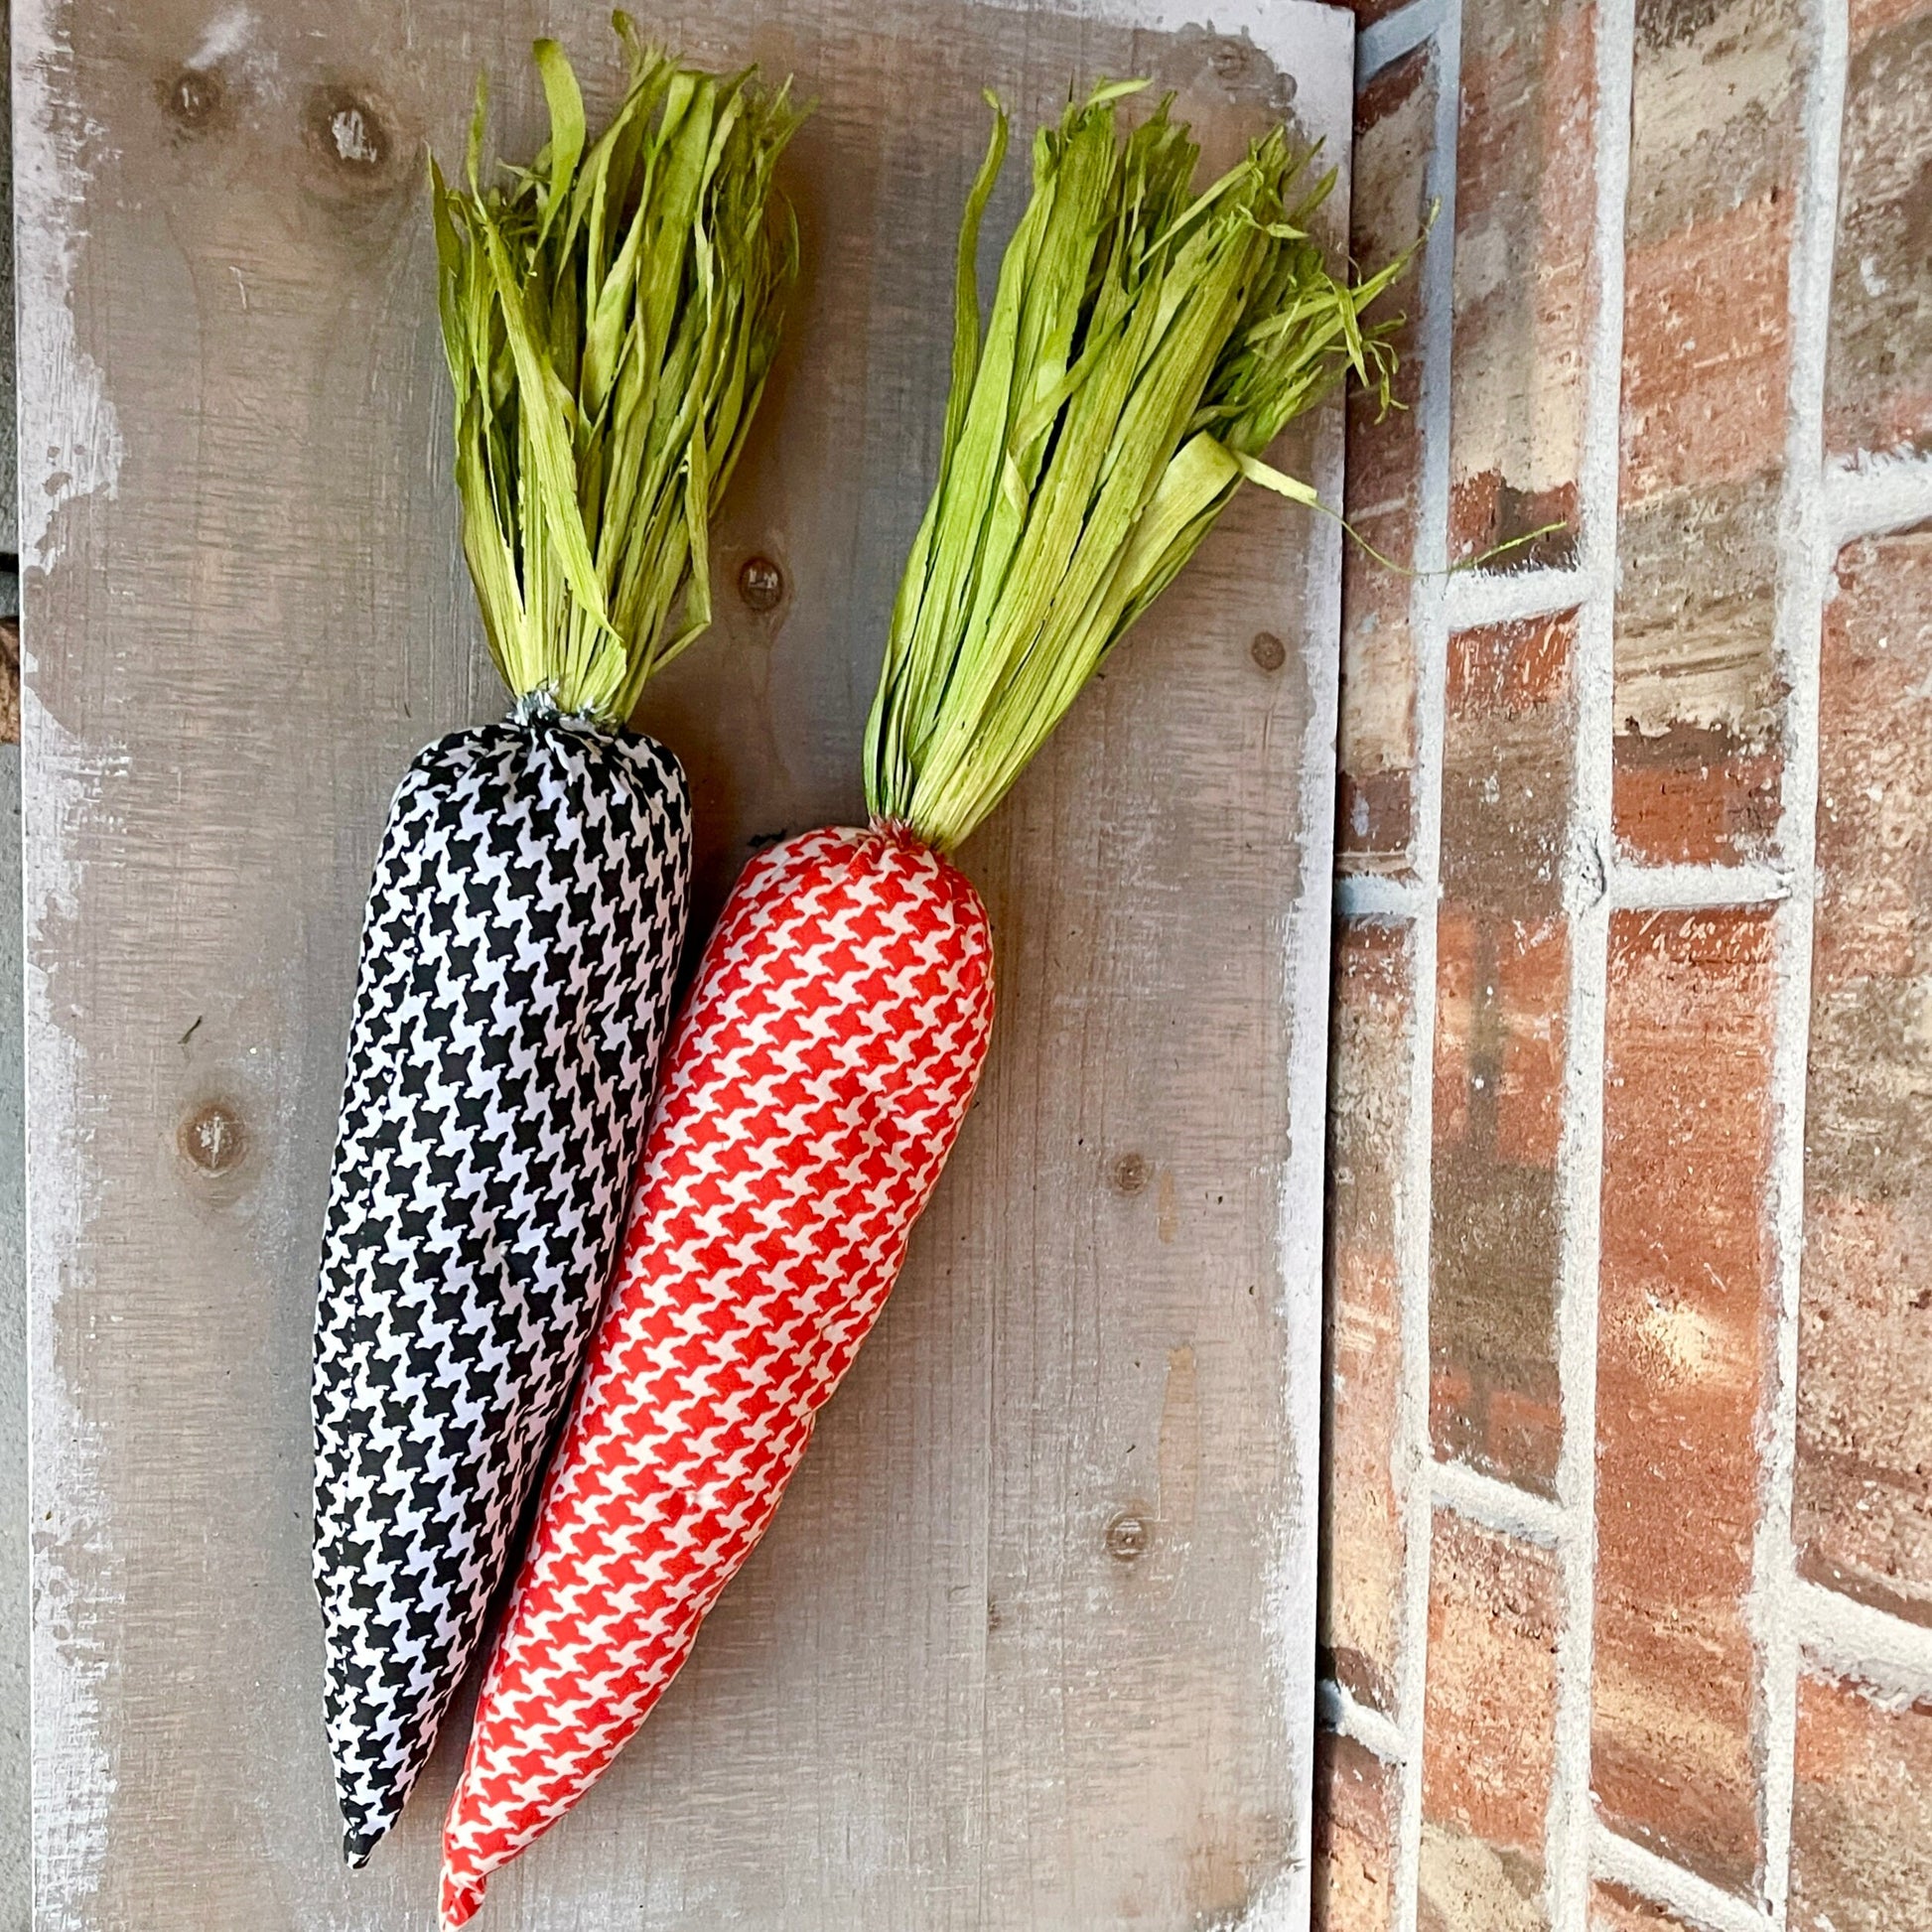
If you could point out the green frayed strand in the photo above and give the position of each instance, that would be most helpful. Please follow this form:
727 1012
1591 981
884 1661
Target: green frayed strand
610 317
1145 347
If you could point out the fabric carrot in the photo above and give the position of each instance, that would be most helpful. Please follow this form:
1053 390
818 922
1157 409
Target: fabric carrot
1145 346
609 318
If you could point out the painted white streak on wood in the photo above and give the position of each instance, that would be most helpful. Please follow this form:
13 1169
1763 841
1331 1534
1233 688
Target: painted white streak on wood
1317 44
1302 36
16 1824
68 433
1304 992
72 445
73 1562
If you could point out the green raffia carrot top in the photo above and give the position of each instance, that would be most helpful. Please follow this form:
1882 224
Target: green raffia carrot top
1146 343
609 318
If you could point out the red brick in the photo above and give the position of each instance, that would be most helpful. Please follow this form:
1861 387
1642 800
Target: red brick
1394 121
1862 1507
1511 671
1699 700
1467 1884
1507 751
1372 1041
1868 19
1878 372
1524 202
1706 351
1502 986
1874 762
1715 100
1862 1811
1682 1357
1696 796
1489 1730
1356 1803
1613 1908
9 680
1713 112
1496 1221
1376 741
1395 124
1489 1746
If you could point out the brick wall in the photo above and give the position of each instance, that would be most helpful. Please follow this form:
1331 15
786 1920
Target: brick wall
1628 1555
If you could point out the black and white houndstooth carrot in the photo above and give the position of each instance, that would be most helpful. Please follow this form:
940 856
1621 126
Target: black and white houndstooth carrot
610 317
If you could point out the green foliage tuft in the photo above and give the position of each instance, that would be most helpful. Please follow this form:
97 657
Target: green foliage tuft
1145 347
610 314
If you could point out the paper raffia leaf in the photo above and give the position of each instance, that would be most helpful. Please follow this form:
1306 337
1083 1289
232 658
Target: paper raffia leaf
609 316
1269 477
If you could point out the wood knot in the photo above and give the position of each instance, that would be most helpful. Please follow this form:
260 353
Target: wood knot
761 583
1230 61
1268 650
1129 1537
356 150
1130 1174
349 129
212 1138
194 99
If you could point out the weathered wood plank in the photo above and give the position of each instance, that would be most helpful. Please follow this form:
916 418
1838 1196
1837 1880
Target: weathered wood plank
1030 1644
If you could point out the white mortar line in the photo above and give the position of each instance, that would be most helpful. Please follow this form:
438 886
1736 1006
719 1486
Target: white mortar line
1430 633
1664 888
1629 886
1877 493
1492 1504
1381 895
1477 597
1571 1821
1696 1901
1804 553
1852 1639
1390 38
1347 1716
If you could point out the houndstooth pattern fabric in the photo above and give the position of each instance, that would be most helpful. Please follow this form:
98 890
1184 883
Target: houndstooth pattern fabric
517 962
811 1092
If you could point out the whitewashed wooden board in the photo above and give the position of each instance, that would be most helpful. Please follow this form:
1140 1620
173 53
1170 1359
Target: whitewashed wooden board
953 1690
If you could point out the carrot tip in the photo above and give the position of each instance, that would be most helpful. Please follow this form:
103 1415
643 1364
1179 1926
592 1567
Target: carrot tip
460 1898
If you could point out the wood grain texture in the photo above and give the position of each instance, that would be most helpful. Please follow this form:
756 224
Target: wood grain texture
1030 1645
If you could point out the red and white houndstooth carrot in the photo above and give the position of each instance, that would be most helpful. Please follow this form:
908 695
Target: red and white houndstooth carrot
1145 347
